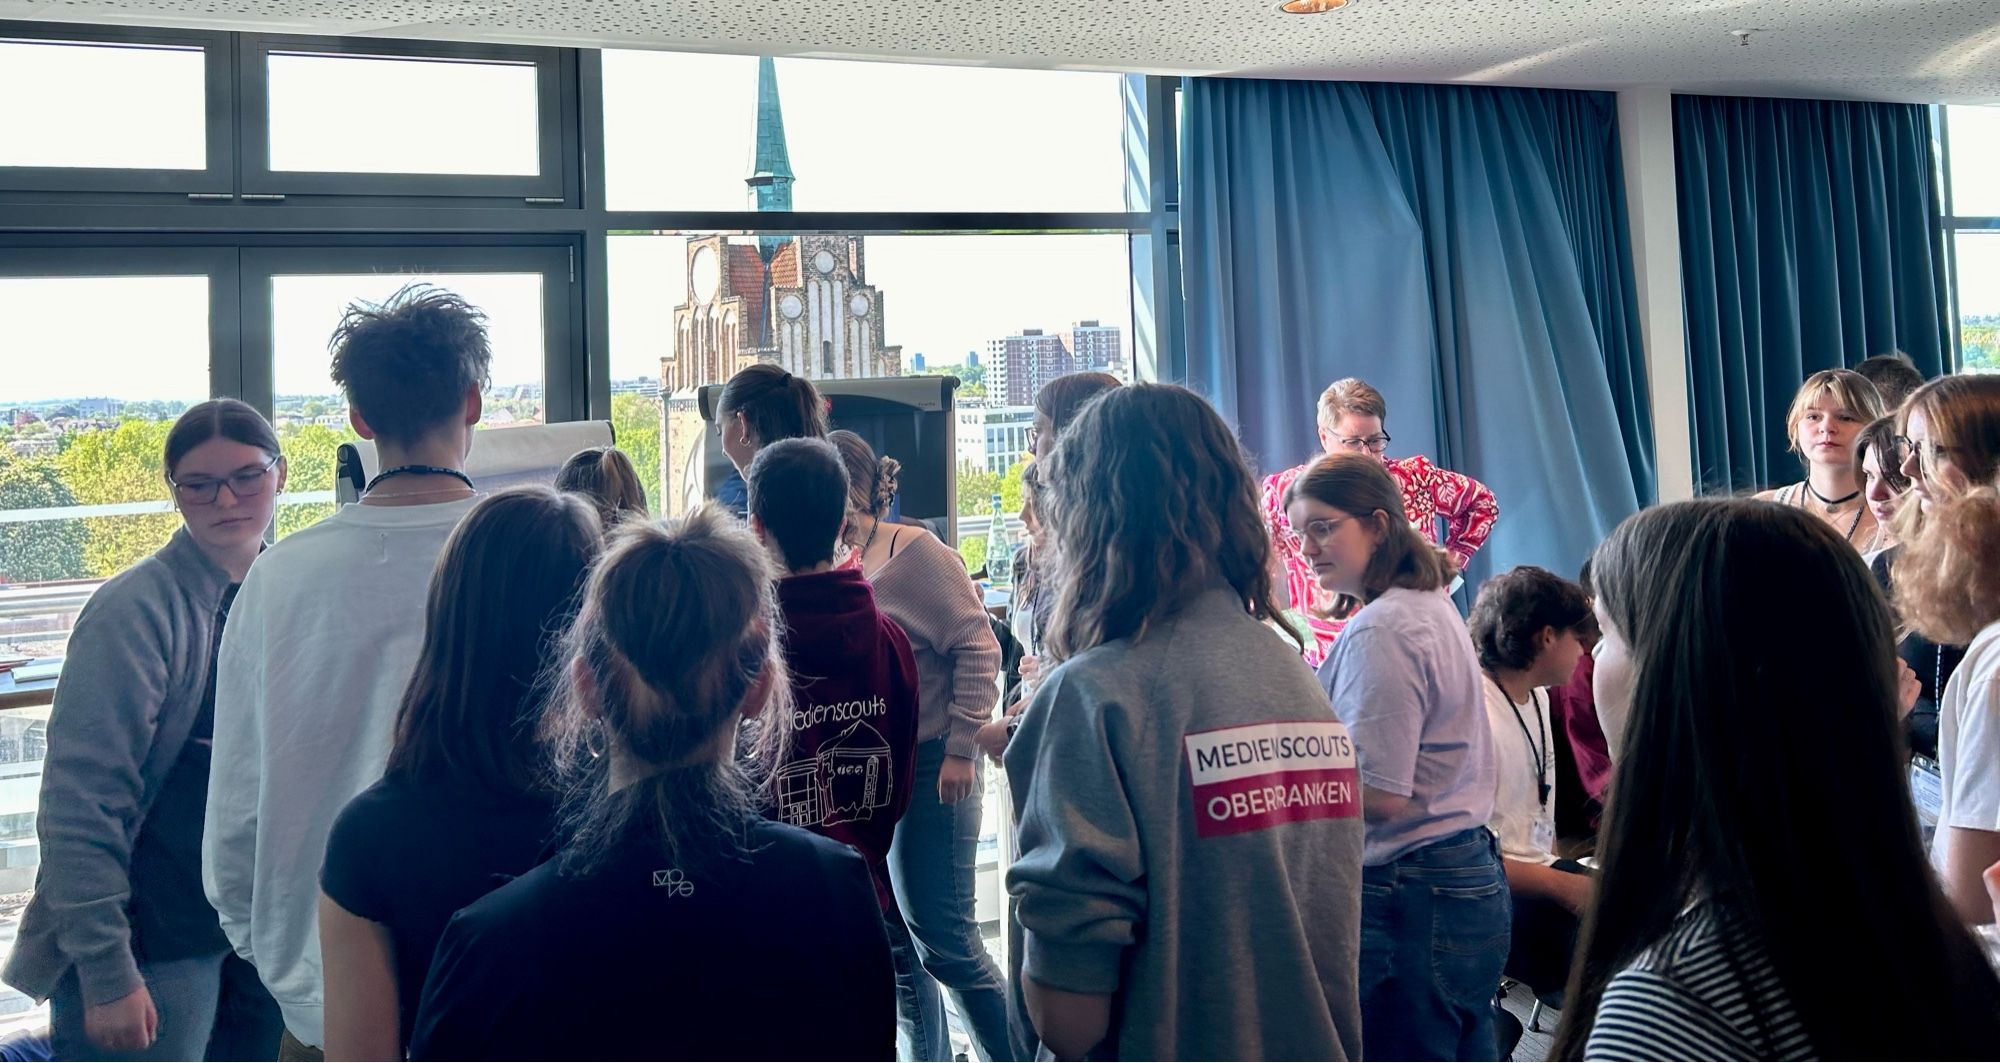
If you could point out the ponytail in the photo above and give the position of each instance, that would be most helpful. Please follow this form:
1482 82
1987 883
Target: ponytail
872 481
677 629
774 403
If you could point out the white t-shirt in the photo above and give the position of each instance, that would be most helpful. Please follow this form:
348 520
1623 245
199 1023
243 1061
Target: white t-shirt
318 648
1523 745
1969 742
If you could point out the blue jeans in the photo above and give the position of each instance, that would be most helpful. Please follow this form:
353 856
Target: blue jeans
931 868
210 1007
1434 934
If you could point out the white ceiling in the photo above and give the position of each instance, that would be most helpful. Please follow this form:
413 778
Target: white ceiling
1911 50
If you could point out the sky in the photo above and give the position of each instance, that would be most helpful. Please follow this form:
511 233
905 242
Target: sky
678 131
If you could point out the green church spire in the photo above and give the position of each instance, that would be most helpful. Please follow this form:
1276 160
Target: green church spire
770 177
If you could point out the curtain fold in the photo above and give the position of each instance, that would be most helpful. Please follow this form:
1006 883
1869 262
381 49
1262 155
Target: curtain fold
1464 249
1808 242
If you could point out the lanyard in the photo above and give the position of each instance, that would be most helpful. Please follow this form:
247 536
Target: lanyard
1540 755
419 470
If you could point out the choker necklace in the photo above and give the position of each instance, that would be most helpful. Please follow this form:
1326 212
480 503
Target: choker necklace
420 470
1831 502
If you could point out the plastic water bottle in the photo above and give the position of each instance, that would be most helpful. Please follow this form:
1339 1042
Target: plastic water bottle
999 548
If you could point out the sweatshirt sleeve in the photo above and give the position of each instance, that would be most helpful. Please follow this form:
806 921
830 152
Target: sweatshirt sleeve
229 830
955 621
1078 876
903 675
101 729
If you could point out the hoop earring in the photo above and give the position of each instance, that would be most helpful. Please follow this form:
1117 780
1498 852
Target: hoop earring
594 741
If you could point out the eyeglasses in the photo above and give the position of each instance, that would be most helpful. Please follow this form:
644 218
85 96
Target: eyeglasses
1374 444
1927 451
245 483
1319 531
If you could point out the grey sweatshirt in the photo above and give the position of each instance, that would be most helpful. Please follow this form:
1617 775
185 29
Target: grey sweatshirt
1191 842
138 669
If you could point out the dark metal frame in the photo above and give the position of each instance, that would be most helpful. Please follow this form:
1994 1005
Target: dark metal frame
220 149
1952 225
353 221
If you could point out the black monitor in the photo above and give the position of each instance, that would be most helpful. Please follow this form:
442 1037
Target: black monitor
908 418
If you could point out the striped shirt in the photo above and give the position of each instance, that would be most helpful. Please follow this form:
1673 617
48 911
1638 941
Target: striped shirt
1705 991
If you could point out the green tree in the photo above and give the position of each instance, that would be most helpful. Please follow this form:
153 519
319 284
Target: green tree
975 499
635 421
116 465
33 551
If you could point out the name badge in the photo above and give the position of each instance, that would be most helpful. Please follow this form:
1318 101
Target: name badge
1262 775
1927 789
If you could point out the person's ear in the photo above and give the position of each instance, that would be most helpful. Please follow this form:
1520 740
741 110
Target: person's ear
475 406
585 683
359 423
283 471
759 694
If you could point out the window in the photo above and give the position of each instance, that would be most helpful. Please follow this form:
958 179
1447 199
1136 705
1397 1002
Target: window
109 109
682 132
474 117
1003 314
325 116
84 412
1978 259
1975 160
1972 155
306 302
79 104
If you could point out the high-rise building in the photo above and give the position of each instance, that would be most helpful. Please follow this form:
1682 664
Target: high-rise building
1098 348
1018 366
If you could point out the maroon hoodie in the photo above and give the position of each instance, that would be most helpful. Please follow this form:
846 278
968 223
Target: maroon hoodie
854 719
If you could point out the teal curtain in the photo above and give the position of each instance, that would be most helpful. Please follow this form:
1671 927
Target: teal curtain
1462 248
1809 241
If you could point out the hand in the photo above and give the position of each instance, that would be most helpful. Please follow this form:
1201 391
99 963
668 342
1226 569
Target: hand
128 1024
1908 689
992 739
1576 897
955 779
1030 668
1992 879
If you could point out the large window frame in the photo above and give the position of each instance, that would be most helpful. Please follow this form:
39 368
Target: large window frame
1950 227
419 213
555 99
215 179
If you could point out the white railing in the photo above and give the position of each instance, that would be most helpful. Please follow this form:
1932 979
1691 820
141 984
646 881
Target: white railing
133 509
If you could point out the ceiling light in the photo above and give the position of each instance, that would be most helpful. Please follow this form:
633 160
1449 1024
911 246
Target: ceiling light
1315 7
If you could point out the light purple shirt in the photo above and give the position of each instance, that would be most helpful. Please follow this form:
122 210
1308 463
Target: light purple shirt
1404 679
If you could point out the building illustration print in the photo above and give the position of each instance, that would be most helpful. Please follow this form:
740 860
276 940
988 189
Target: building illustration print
846 783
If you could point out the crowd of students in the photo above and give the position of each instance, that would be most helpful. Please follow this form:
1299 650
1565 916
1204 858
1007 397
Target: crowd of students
533 775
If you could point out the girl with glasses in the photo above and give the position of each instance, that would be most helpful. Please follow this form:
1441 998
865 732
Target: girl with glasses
119 937
1944 579
1405 680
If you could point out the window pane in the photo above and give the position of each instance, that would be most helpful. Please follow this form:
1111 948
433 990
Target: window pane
311 413
1975 160
682 133
1002 313
97 369
102 106
1979 301
413 115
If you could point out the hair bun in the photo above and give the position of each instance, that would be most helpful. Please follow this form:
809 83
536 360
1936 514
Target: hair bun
886 471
